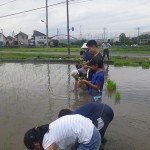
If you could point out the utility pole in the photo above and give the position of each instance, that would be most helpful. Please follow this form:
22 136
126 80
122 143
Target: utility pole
57 33
104 34
47 24
138 38
80 32
68 30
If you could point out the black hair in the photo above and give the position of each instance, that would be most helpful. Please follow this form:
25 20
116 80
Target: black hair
99 62
35 135
91 43
64 112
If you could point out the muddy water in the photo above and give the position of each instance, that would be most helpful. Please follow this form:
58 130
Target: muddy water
33 94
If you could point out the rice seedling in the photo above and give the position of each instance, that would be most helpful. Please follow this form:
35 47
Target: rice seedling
118 63
134 64
146 65
117 97
111 85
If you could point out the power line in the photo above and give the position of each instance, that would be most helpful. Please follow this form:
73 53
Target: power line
7 3
56 4
33 9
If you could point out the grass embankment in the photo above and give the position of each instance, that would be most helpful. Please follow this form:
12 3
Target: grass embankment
135 62
129 50
34 56
118 61
62 49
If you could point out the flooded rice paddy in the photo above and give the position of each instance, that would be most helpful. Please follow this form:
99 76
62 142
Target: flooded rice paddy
33 94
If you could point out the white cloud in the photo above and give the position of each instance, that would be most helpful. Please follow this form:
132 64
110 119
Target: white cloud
93 16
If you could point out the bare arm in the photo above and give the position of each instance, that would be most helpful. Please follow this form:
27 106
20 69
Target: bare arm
86 67
95 86
52 147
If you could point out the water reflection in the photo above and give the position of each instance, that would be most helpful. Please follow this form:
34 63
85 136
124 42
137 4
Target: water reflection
69 86
106 71
33 94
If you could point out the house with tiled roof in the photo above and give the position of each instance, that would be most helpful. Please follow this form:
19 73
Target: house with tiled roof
38 39
9 41
22 39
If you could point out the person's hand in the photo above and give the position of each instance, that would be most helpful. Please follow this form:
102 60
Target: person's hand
83 81
85 66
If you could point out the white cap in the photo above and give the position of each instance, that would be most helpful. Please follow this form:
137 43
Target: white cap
84 46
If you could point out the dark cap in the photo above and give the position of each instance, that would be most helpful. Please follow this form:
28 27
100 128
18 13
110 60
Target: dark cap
35 135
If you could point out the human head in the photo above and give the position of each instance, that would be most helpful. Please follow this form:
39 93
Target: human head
64 112
98 63
33 138
92 46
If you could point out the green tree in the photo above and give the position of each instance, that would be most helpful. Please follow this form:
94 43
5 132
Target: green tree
122 38
55 43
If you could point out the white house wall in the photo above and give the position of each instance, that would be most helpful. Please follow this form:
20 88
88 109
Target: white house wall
40 39
2 39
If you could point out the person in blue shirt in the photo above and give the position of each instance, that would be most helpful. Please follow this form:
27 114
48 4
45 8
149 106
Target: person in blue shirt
101 115
87 56
95 87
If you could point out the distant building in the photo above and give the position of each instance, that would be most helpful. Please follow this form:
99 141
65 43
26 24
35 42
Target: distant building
10 41
38 39
22 39
2 40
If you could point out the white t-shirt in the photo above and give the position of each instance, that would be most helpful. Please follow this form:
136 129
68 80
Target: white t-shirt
66 130
106 45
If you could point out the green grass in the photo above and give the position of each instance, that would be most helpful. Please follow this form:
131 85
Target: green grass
128 50
133 63
33 56
117 97
118 63
145 65
111 85
41 49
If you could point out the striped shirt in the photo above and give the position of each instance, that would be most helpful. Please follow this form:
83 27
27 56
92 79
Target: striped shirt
66 130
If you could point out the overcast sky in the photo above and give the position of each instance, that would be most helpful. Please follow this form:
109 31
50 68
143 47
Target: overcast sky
116 15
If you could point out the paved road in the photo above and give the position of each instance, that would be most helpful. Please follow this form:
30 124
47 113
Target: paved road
75 53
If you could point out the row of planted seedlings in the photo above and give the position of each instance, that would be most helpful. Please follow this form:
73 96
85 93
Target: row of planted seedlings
120 63
112 87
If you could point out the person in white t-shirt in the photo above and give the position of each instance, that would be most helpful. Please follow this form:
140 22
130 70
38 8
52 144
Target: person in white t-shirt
106 47
64 132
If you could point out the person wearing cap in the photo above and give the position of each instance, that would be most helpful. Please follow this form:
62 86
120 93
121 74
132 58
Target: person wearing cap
80 71
101 115
97 57
87 55
63 132
83 50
